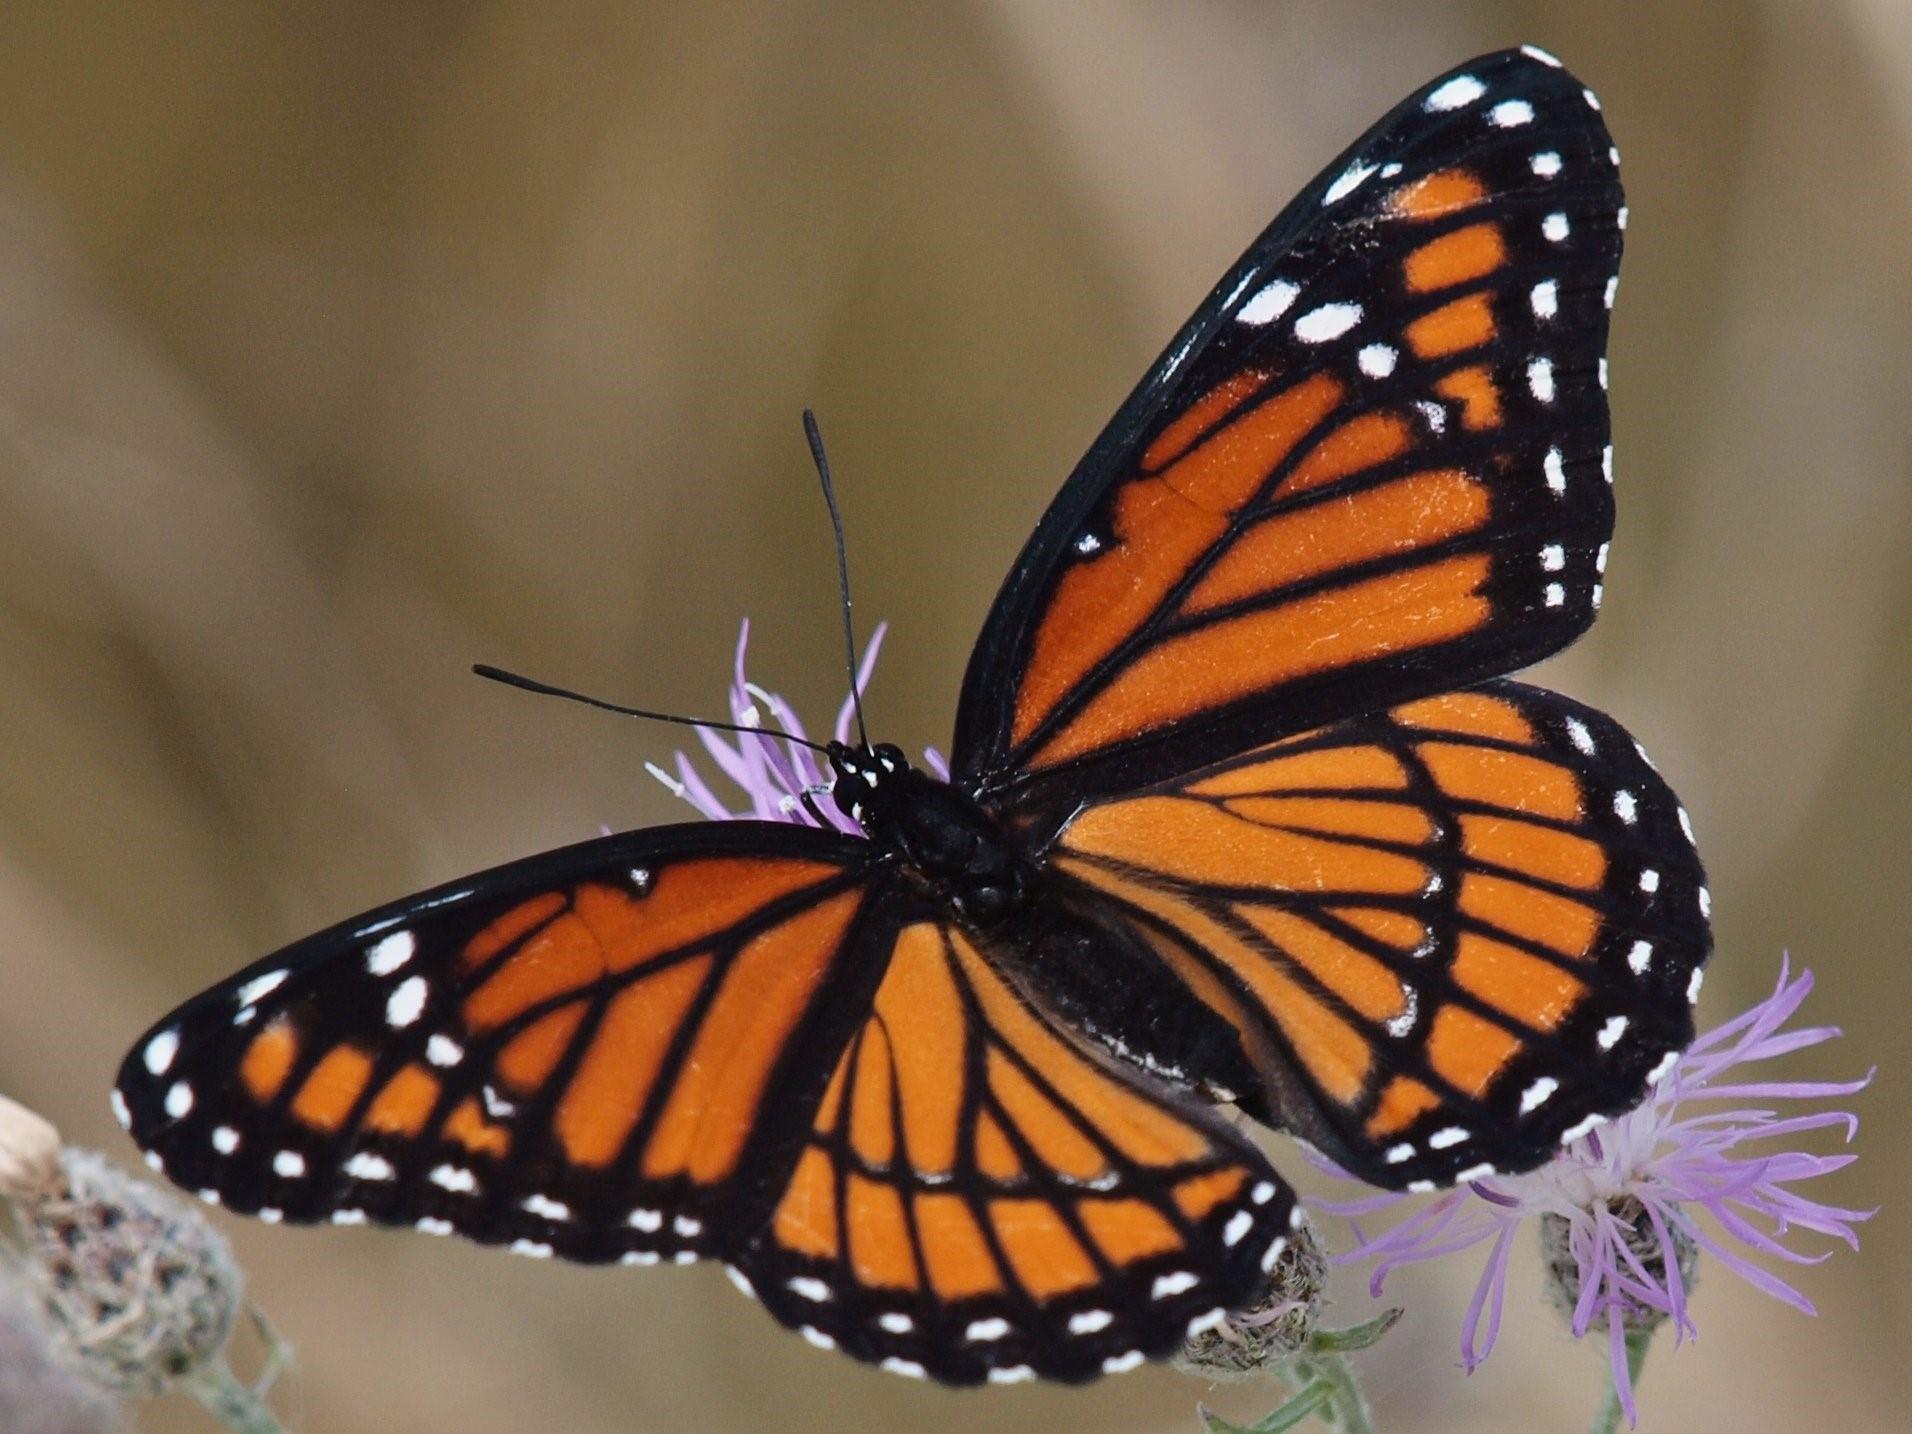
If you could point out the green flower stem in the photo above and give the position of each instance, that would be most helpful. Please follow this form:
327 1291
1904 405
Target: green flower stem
237 1405
1325 1384
1607 1421
1347 1410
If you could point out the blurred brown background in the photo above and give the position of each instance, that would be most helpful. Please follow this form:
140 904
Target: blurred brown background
344 344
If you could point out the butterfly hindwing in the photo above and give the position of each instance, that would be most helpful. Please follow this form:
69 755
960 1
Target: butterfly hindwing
1448 936
1373 466
596 1052
980 1198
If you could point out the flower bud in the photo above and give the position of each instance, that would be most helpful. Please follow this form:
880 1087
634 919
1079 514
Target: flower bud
137 1288
1277 1324
1566 1267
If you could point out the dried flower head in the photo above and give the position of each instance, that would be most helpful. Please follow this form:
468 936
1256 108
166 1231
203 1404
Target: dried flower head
138 1288
1619 1210
1278 1324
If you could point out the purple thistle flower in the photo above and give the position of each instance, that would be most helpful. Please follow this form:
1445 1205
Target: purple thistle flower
773 773
1617 1207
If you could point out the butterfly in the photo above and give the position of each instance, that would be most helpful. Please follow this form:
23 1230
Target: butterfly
1241 808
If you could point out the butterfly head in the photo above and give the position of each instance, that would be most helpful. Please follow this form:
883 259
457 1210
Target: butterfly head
869 782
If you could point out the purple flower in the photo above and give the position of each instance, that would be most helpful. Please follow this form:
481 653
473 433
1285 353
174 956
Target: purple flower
773 773
1617 1208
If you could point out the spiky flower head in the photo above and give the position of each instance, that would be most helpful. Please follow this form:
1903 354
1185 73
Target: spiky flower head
1625 1213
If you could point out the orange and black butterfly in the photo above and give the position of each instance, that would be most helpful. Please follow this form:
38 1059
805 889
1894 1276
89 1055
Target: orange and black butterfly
1241 810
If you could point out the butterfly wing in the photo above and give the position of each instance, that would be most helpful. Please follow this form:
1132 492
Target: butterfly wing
1446 937
1370 467
978 1198
602 1052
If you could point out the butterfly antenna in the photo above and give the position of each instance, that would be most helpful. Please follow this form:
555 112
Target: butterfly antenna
811 432
545 689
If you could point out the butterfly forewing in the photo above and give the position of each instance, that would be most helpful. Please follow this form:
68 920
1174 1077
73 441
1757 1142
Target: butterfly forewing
979 1198
1373 466
1448 935
596 1052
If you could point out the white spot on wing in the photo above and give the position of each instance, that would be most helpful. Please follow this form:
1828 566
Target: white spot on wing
1649 881
1578 734
1442 1139
120 1112
1574 1132
1555 595
1013 1374
1610 1033
1511 114
1693 986
1554 466
1203 1323
1545 165
649 1221
443 1051
1377 360
1175 1282
1239 1224
1330 321
454 1178
1397 1153
288 1165
1540 379
1270 304
1534 52
1090 1321
1536 1094
1273 1253
406 1003
1553 558
808 1288
1458 92
1665 1064
388 953
1410 1008
1626 807
432 1225
908 1368
260 986
1640 957
545 1207
1545 299
983 1331
179 1099
160 1051
896 1322
1555 227
368 1165
225 1139
1352 178
1123 1363
536 1249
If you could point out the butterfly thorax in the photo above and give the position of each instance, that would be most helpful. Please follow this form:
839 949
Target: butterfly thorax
940 834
